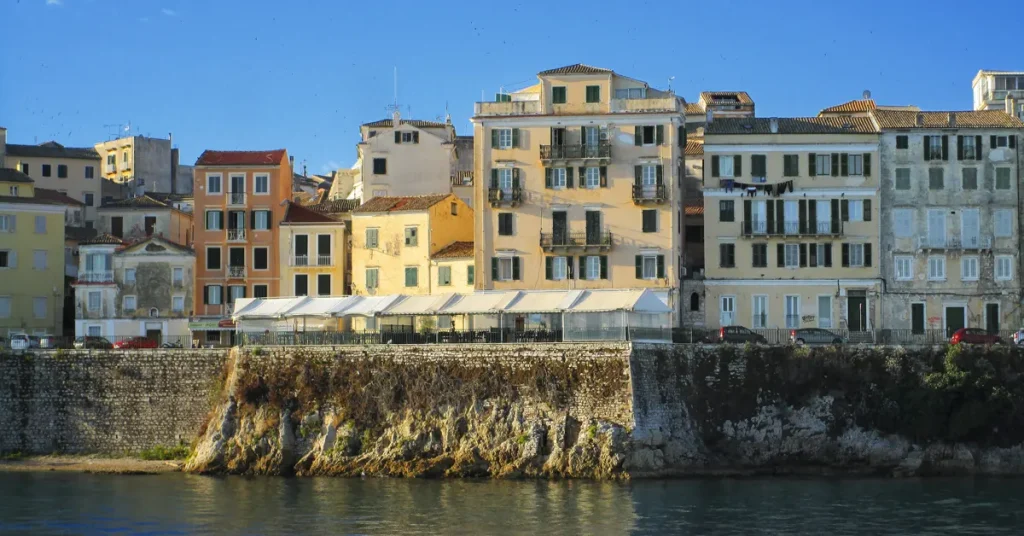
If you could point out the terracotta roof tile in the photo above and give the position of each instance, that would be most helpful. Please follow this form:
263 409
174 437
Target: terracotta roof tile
57 197
104 239
302 214
13 175
905 119
576 68
241 158
694 210
694 108
397 204
456 250
388 123
142 201
52 149
333 206
857 105
694 148
791 125
726 97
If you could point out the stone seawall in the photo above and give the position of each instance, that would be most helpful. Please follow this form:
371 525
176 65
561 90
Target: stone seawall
105 402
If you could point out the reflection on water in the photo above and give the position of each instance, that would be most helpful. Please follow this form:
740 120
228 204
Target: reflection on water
51 503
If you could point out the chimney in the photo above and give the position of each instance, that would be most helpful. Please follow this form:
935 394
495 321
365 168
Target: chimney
174 170
920 119
1011 104
710 116
396 119
951 117
773 125
3 145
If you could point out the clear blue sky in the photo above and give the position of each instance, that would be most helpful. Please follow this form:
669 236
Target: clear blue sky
303 74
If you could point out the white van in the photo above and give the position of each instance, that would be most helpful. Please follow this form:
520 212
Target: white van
19 341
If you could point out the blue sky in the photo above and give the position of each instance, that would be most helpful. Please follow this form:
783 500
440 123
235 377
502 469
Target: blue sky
303 74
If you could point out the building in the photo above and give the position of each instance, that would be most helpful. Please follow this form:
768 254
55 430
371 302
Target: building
134 290
31 258
72 171
134 165
396 241
578 184
405 157
950 203
991 88
453 268
462 169
312 256
240 197
135 218
340 210
791 223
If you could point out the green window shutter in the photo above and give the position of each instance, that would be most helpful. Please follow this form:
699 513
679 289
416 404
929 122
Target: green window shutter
604 176
867 164
844 164
737 165
661 267
398 137
639 267
659 134
515 138
582 272
638 136
470 274
828 255
604 266
977 147
515 177
812 164
638 173
780 253
835 164
867 255
945 147
927 156
846 255
494 268
494 138
547 177
714 165
867 210
844 209
959 147
516 262
659 175
494 178
568 177
803 255
547 268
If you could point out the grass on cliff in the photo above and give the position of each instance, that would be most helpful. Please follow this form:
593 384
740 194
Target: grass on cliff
160 452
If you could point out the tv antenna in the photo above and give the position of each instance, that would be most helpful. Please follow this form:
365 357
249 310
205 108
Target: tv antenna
670 79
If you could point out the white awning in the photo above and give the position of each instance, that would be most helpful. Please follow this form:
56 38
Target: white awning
481 303
267 307
324 306
541 301
420 305
636 301
368 306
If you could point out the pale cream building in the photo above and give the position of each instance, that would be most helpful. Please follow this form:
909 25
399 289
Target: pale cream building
72 171
312 253
405 157
134 165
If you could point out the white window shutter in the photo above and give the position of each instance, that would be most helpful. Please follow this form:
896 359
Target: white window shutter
12 259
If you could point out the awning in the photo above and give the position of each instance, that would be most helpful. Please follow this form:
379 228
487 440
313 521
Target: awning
368 306
481 303
540 301
268 307
325 306
420 305
636 301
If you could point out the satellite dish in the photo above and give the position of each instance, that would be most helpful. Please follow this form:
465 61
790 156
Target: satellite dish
867 94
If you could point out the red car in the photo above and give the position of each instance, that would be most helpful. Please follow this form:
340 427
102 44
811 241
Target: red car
135 343
974 336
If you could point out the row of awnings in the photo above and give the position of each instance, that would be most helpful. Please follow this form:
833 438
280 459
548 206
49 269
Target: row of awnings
477 303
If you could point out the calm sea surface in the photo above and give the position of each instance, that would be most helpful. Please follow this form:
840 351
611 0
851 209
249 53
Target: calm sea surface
58 503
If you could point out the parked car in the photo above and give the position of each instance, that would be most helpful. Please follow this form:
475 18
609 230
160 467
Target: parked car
739 335
814 336
92 342
20 341
171 345
1018 337
54 342
135 343
974 336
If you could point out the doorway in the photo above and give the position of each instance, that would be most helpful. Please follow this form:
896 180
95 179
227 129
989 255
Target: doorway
727 312
150 222
154 332
857 310
593 227
117 226
917 318
992 317
956 318
559 228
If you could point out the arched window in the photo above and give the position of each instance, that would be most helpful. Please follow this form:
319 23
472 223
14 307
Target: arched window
695 302
154 312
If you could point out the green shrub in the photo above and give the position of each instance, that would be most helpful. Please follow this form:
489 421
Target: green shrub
161 452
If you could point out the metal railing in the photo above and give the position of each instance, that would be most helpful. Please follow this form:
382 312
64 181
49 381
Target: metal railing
501 196
575 151
236 271
324 260
300 260
236 198
110 168
442 336
124 165
783 336
791 228
109 342
649 193
102 276
602 239
954 242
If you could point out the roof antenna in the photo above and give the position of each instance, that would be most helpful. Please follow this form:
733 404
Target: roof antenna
670 79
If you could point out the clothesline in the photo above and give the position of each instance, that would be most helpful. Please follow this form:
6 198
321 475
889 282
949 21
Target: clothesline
751 190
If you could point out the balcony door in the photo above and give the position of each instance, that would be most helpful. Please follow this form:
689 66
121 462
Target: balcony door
823 210
970 228
937 228
323 249
792 312
237 184
559 228
593 227
236 257
557 137
759 217
301 250
727 310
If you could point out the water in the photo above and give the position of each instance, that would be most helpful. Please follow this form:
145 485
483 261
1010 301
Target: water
65 503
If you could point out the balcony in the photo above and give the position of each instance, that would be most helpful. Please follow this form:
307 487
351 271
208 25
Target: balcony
658 104
236 198
601 151
101 276
124 166
600 241
300 260
649 194
505 196
790 228
527 107
324 260
178 283
954 243
110 168
236 235
236 272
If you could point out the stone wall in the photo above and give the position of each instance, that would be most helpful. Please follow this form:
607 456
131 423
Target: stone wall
105 402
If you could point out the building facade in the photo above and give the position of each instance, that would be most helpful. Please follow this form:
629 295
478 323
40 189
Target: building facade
134 165
138 290
31 258
135 218
312 256
991 89
950 204
791 223
395 241
402 157
578 185
73 171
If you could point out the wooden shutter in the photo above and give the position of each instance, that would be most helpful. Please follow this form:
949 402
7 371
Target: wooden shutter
270 218
494 268
515 138
802 215
494 138
835 216
582 272
737 166
638 135
681 135
604 176
780 216
867 164
992 142
867 255
846 255
945 147
748 225
638 173
661 267
780 254
977 147
812 161
828 255
926 155
547 177
604 266
548 268
867 210
206 295
1011 139
659 134
803 255
959 147
770 216
252 219
714 165
813 263
835 164
398 137
516 268
568 177
844 209
515 177
844 164
659 177
494 178
639 267
812 217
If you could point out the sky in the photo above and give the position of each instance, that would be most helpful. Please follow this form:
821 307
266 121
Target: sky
304 74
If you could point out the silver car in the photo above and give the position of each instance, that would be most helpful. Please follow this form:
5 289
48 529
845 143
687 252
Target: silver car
814 337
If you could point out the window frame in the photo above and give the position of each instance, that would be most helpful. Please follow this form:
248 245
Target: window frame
256 183
649 261
504 138
899 263
823 164
379 166
557 178
415 271
939 261
933 148
371 244
897 228
1009 180
970 145
969 261
597 94
412 239
174 301
444 276
506 268
210 183
559 95
592 267
592 177
856 252
999 260
789 250
266 250
722 203
559 268
855 164
726 166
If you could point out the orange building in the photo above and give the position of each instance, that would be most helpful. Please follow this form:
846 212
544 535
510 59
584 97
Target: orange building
239 199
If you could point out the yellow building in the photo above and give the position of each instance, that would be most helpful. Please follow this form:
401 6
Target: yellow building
791 223
312 255
452 269
578 184
31 258
137 164
396 240
72 171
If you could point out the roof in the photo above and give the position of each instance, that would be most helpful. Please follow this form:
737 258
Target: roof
399 204
300 214
694 210
13 175
482 303
333 206
856 105
103 239
79 234
791 125
455 250
57 197
694 108
52 149
899 119
388 123
241 158
142 201
576 68
421 305
638 301
159 241
693 148
741 97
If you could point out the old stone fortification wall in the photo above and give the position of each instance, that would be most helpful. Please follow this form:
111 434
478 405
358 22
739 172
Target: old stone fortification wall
105 402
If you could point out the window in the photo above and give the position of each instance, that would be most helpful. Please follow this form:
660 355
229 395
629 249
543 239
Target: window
455 209
631 93
558 95
444 276
379 193
1004 267
178 276
935 181
410 137
650 267
1001 141
261 183
903 222
592 177
505 268
5 307
412 276
936 268
726 211
261 220
94 301
129 275
823 164
904 268
371 278
46 170
857 255
124 157
970 150
694 301
855 164
558 178
371 238
40 224
411 237
1003 223
505 224
649 175
470 274
213 184
725 166
791 257
759 253
790 165
213 258
89 172
760 310
1002 178
558 268
260 258
727 255
301 285
902 142
969 268
649 221
856 210
380 166
178 304
970 178
259 291
648 135
7 223
39 308
323 284
792 304
592 267
933 148
24 168
214 295
593 93
88 199
214 220
39 260
62 171
129 303
504 138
